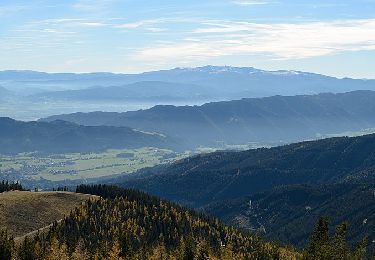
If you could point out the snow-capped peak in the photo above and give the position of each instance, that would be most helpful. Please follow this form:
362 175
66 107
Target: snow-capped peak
239 70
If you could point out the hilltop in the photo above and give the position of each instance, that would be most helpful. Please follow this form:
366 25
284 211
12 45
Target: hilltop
22 212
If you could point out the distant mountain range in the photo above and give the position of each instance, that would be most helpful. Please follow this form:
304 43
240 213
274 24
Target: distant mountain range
221 83
263 120
61 137
89 92
146 91
280 191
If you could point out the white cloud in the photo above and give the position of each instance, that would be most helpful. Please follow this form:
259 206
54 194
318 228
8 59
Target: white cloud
156 29
280 41
92 24
136 25
250 2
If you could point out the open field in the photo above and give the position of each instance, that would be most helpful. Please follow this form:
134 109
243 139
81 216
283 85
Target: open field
22 212
33 166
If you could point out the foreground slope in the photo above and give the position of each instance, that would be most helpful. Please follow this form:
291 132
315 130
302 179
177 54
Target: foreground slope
22 212
127 224
264 120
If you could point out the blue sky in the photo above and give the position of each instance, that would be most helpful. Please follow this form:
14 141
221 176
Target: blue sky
330 37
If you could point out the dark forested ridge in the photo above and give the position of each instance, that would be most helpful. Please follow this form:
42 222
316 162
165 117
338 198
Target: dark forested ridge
205 178
264 120
331 177
60 137
288 213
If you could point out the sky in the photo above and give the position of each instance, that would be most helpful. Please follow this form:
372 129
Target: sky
127 36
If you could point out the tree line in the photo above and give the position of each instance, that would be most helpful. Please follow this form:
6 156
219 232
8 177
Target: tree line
9 186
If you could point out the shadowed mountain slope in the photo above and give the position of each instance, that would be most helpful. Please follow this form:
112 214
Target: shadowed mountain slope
60 137
263 120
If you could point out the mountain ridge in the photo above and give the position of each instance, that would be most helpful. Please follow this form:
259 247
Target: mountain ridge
230 174
62 136
263 120
289 187
206 68
179 86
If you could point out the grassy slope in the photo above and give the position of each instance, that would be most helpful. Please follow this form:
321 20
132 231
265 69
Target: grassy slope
23 212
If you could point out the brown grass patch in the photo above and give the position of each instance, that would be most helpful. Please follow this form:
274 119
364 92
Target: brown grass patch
22 212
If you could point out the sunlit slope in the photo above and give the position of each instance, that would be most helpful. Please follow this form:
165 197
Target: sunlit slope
22 212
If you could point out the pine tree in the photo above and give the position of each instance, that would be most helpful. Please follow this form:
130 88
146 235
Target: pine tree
114 253
360 250
188 249
319 247
203 251
79 252
340 248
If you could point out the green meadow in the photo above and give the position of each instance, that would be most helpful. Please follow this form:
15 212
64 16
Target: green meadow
76 166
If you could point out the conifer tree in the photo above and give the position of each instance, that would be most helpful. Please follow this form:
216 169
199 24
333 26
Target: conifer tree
340 248
319 247
114 253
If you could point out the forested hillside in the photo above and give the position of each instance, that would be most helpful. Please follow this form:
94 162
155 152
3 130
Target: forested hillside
288 213
63 137
271 120
205 178
331 177
127 224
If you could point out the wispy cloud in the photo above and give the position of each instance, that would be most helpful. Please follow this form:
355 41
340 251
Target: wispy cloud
280 41
7 10
92 24
250 2
93 5
135 25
